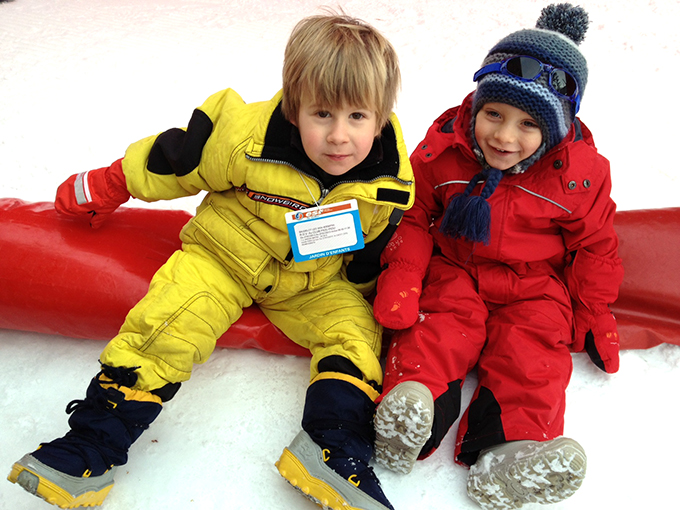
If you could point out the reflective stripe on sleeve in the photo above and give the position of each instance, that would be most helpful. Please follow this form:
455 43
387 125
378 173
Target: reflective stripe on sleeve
82 189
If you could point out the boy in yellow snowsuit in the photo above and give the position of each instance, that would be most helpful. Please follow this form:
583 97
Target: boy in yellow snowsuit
263 234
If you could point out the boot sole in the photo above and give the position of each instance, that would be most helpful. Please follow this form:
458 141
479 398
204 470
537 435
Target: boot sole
403 424
57 488
540 472
302 465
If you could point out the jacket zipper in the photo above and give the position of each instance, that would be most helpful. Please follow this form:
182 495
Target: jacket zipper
325 191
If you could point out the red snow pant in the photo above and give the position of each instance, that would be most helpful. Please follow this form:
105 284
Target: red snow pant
515 325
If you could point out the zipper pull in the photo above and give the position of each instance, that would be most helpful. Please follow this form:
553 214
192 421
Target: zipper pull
324 194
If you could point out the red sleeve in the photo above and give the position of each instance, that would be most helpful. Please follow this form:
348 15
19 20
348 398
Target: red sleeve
411 245
595 271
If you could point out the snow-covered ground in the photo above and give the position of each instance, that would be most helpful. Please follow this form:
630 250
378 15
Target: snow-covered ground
81 79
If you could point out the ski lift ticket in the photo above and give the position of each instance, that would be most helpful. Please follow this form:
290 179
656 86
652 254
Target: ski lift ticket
325 230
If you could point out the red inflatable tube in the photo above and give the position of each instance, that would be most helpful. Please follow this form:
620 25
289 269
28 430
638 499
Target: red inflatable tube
648 307
59 276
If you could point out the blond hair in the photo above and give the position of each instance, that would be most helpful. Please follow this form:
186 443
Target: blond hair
335 60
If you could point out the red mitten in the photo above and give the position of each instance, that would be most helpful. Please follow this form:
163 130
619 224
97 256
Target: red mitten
598 335
396 303
94 194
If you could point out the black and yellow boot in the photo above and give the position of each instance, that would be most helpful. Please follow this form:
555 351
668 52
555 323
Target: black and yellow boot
328 460
77 469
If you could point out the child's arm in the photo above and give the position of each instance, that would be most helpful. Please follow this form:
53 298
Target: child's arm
161 167
94 194
595 325
405 259
363 266
593 275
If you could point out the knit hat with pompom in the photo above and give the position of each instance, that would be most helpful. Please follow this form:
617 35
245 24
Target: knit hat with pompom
559 29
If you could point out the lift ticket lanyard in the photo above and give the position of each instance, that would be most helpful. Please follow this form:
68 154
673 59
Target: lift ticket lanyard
325 230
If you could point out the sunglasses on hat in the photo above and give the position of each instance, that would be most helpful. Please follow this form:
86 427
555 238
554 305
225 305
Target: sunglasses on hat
528 68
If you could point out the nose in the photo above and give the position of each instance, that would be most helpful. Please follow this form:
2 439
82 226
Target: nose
339 132
505 133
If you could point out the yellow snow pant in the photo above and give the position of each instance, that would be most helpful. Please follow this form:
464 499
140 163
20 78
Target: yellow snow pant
194 298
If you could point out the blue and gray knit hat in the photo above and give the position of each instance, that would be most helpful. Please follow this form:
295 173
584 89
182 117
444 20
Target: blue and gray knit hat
559 29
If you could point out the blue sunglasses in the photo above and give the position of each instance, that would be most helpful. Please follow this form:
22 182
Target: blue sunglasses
527 68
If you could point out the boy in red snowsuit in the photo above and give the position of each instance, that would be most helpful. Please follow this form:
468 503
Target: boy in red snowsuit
507 262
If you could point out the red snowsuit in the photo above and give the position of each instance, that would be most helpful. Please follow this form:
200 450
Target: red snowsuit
507 307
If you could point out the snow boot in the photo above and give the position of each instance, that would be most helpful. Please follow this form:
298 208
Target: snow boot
77 470
403 424
328 460
511 474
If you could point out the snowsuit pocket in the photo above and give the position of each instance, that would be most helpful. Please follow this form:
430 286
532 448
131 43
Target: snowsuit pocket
221 232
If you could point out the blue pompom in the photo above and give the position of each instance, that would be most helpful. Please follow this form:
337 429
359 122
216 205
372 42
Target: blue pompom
468 217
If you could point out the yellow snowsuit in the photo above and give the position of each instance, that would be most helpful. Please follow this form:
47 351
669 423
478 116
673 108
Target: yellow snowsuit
236 250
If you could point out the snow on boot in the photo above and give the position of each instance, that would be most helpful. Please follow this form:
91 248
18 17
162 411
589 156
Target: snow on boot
403 423
328 460
77 469
508 475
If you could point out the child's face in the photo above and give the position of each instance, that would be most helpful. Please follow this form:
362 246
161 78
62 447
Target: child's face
336 138
506 135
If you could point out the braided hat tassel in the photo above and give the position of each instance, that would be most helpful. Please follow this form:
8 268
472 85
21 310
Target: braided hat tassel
469 216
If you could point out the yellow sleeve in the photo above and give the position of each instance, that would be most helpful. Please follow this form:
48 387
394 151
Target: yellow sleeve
184 161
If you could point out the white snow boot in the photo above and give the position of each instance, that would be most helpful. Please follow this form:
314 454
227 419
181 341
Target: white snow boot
403 423
508 475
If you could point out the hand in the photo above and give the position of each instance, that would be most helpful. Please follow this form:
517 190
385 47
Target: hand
94 194
396 303
598 335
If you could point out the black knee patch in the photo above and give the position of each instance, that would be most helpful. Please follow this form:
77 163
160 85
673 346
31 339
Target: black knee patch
485 426
446 412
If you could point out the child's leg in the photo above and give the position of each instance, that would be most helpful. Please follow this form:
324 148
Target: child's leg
328 460
523 374
78 469
426 367
191 301
510 432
